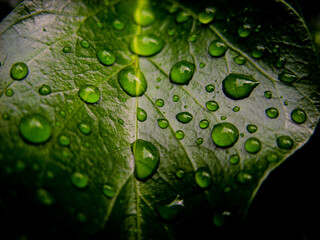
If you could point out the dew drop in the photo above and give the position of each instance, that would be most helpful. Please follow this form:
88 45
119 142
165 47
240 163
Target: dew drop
285 142
281 61
45 90
252 145
106 57
108 190
163 123
45 197
19 71
217 48
225 134
207 15
66 49
268 94
179 134
244 30
272 112
144 16
89 93
220 218
173 9
118 25
141 115
298 116
159 102
184 117
64 140
79 180
251 128
84 128
272 157
172 210
182 17
35 128
147 158
9 92
193 38
234 159
202 65
240 60
203 177
287 77
180 173
146 45
210 88
258 51
132 81
212 105
204 123
84 44
199 141
175 98
182 72
244 177
236 109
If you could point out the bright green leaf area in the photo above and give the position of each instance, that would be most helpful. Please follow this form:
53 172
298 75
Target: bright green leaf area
104 132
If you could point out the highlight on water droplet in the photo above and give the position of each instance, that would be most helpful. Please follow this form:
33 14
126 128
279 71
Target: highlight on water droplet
163 123
79 180
118 24
106 57
45 90
244 30
182 17
89 93
252 145
132 81
141 115
35 128
179 134
182 72
238 86
212 105
108 190
298 115
171 210
225 134
217 48
146 158
84 128
272 112
146 45
203 177
19 71
285 142
184 117
207 15
204 123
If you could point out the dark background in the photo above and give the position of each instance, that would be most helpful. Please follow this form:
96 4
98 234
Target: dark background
287 204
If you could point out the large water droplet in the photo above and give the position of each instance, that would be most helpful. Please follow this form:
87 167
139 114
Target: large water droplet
287 77
106 57
182 72
163 123
217 48
184 117
45 90
35 128
285 142
84 128
272 112
45 197
132 81
212 105
147 158
171 210
79 180
244 30
89 93
238 86
203 177
146 45
252 145
108 190
141 115
144 16
207 15
204 123
19 71
225 134
298 116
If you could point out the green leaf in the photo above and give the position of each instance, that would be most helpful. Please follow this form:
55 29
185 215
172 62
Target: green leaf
131 118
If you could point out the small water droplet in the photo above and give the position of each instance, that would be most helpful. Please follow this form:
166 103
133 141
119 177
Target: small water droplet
244 30
179 134
199 141
66 49
236 109
224 134
184 117
79 180
244 177
173 9
207 15
287 77
180 173
146 45
272 112
258 51
62 113
163 123
45 197
84 44
298 115
220 218
276 48
203 177
5 116
182 17
132 81
159 102
238 86
106 57
285 142
147 158
89 93
9 92
202 65
141 115
272 157
212 105
118 25
172 32
144 16
45 89
204 124
64 140
108 190
19 71
35 128
84 128
192 38
281 61
258 28
182 72
234 159
175 98
240 60
252 145
217 48
251 128
210 88
268 94
170 211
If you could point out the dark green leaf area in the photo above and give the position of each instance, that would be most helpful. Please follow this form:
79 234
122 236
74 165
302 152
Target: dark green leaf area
134 119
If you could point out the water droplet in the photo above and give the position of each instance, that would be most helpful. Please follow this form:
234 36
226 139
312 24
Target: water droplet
285 142
252 145
64 140
84 44
217 48
298 116
132 81
45 89
202 65
287 77
159 102
199 141
212 105
45 197
236 109
147 158
184 117
66 49
203 177
146 45
144 16
268 94
19 71
244 30
171 210
272 157
281 61
108 190
251 128
193 38
120 121
106 57
258 28
89 93
204 124
5 116
182 17
207 15
9 92
220 219
84 128
175 98
141 115
272 112
172 32
180 173
210 88
276 48
62 113
118 25
79 180
244 177
258 51
182 72
179 134
35 128
238 86
163 123
225 134
173 9
240 60
234 159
